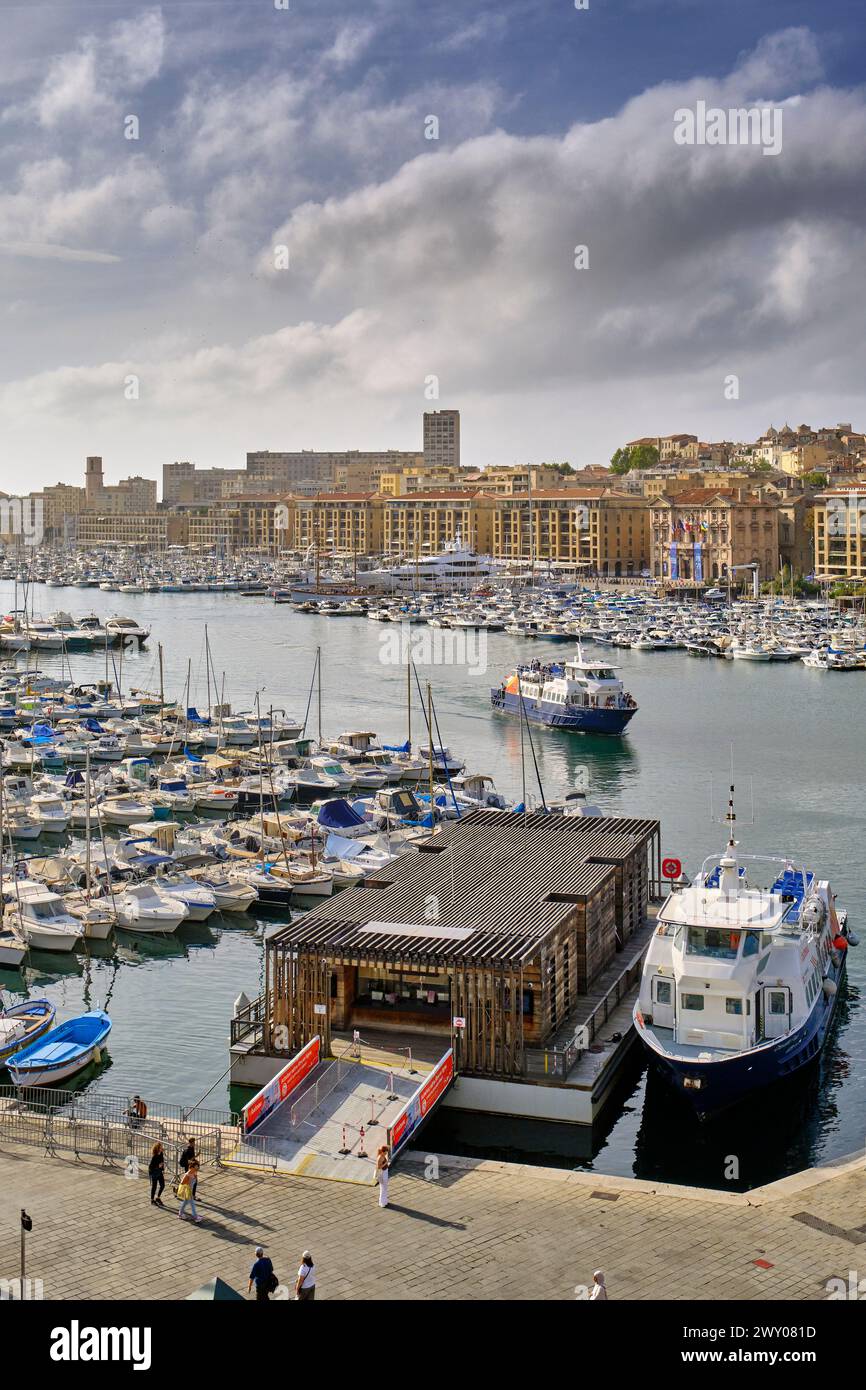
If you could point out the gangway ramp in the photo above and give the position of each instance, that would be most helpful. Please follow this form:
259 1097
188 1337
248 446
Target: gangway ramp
331 1122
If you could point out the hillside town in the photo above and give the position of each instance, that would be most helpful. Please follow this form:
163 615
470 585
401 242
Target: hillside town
669 507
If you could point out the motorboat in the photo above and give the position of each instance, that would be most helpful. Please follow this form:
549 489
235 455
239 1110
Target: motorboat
40 917
198 899
140 908
580 696
62 1052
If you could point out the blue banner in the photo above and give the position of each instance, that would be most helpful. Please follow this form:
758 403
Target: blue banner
699 562
674 566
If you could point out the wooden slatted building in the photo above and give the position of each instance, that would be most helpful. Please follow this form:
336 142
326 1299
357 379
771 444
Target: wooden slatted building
499 918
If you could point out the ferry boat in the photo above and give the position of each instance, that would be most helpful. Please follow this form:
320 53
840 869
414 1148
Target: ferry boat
584 696
741 982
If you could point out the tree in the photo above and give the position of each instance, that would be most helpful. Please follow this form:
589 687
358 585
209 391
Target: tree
619 463
643 456
639 456
815 479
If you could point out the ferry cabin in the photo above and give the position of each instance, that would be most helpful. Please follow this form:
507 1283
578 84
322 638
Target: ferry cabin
578 682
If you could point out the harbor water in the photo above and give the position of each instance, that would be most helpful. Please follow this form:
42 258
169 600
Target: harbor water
795 739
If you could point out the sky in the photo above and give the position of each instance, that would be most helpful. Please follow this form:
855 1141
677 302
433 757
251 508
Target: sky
226 227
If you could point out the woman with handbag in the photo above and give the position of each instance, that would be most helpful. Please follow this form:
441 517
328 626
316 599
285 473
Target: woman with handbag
186 1192
156 1173
383 1164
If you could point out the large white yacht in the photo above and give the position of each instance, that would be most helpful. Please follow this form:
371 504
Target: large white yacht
455 567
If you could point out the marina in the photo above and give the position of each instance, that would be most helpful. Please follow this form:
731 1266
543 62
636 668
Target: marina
624 775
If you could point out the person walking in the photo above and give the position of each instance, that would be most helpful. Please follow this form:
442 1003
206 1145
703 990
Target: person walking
305 1286
599 1288
187 1190
262 1275
156 1173
383 1164
188 1154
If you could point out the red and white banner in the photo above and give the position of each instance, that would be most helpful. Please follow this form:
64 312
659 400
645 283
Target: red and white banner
421 1102
282 1085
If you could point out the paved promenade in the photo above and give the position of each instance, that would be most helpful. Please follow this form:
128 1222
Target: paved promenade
482 1231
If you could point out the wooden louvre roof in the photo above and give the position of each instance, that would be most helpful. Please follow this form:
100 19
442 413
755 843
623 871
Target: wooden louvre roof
501 883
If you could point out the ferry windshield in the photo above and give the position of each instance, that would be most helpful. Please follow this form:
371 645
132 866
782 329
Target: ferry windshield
714 942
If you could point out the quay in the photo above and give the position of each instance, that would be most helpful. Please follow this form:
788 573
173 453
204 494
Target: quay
455 1229
515 941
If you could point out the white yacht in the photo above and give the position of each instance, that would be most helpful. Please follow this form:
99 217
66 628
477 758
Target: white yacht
455 567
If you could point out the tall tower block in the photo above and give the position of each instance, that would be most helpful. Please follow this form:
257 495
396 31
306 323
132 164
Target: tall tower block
93 478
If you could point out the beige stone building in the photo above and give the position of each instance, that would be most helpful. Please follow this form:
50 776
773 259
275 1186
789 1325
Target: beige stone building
840 533
424 523
596 528
339 523
704 533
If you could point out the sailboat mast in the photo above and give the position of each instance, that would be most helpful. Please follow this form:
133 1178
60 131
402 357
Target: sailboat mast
87 820
430 737
319 670
207 669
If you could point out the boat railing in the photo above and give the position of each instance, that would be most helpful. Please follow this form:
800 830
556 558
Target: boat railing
247 1025
555 1063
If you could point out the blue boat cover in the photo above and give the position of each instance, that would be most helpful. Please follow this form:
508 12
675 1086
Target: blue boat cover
193 716
338 815
93 726
397 747
190 756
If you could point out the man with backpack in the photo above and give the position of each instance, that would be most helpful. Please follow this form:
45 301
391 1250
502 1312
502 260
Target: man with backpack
262 1275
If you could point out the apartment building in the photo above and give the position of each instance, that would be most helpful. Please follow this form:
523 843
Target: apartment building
704 533
129 495
146 530
597 529
442 438
840 533
185 483
424 523
339 523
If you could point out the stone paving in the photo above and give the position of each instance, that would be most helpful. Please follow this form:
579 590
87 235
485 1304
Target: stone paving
483 1230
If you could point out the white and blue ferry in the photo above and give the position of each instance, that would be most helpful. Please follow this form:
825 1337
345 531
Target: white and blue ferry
741 982
584 696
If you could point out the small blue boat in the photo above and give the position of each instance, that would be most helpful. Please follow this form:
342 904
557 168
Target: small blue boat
61 1053
22 1024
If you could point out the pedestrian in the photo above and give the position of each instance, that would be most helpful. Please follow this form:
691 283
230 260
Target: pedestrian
599 1288
136 1112
187 1190
383 1164
188 1154
156 1173
262 1275
305 1287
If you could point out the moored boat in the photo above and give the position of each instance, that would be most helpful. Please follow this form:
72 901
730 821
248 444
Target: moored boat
62 1052
741 982
22 1024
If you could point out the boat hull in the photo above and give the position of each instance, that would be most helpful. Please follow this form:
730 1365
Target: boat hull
592 720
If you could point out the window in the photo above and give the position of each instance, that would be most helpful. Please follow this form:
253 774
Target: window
713 942
778 1001
663 992
751 945
695 1002
733 1006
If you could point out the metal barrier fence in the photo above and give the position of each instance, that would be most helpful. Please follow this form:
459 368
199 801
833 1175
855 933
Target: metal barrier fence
100 1126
